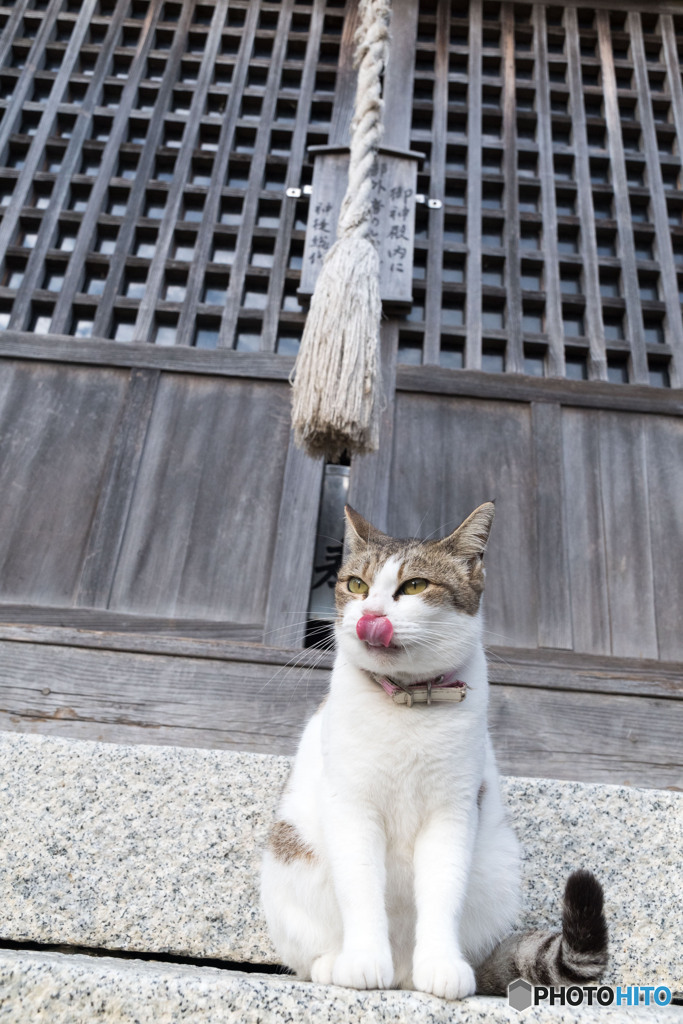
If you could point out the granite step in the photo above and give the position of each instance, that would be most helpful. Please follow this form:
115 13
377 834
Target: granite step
156 850
80 989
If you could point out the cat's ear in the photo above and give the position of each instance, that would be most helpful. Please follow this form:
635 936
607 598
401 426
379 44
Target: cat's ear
360 531
471 537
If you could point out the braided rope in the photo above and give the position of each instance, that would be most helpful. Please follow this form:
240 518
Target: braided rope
372 51
335 404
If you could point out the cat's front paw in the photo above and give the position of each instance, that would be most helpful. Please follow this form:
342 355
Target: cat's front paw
446 977
363 969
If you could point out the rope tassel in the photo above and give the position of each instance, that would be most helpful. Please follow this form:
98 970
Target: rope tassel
335 405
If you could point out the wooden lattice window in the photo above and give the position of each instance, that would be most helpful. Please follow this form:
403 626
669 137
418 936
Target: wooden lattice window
553 136
145 151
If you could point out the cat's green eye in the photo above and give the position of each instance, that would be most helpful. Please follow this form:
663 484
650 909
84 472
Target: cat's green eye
414 586
357 585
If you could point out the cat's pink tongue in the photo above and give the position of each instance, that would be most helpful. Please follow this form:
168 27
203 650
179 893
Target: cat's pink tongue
376 630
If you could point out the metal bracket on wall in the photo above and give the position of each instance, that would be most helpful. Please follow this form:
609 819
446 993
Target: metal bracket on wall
433 204
296 193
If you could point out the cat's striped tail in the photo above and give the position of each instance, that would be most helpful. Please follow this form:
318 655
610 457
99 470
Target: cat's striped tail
575 956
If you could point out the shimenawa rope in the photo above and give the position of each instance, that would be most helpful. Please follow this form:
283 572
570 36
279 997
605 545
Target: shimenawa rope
335 406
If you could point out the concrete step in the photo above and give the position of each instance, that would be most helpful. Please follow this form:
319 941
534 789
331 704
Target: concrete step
80 989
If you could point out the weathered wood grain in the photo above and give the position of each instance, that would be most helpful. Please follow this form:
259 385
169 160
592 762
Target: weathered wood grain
514 352
546 170
130 698
664 460
431 347
594 329
370 477
513 666
554 599
109 520
291 569
585 532
139 698
474 191
267 366
85 624
56 425
622 206
628 556
587 394
670 289
622 740
449 457
201 529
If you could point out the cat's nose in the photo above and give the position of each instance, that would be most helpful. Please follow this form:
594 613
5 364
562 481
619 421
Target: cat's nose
375 630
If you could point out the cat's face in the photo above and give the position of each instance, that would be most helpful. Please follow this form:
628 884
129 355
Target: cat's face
409 606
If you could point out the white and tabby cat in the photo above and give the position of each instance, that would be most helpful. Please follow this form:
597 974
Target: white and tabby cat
392 863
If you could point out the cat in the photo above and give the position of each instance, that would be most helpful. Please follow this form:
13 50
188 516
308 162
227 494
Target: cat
392 863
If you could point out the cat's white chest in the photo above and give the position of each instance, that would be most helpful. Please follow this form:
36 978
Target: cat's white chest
403 763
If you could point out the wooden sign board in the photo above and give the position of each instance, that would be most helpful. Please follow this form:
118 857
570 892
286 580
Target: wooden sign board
394 184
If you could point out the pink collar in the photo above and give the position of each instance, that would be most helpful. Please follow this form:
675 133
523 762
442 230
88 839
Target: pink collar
442 688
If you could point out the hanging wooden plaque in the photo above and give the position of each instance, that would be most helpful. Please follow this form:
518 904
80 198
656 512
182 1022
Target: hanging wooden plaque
394 185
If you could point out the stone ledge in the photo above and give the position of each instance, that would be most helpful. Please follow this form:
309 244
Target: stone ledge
79 989
157 849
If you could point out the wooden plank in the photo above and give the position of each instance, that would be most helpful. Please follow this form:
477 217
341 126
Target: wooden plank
514 352
553 299
266 366
97 695
585 532
145 320
478 451
589 394
57 426
628 741
660 213
292 563
138 698
638 370
431 347
554 599
369 481
597 368
238 271
221 641
109 521
102 622
35 267
474 191
625 499
180 359
399 74
664 457
201 522
345 85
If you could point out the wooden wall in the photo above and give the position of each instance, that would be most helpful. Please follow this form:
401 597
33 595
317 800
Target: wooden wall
157 525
